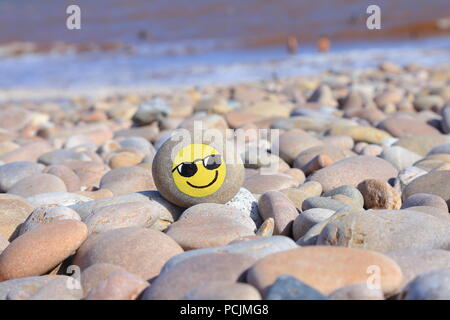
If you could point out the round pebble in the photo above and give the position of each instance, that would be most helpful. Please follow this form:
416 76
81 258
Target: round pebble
334 267
137 250
190 171
207 231
39 250
176 282
36 184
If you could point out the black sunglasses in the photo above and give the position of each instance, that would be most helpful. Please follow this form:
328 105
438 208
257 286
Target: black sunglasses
188 169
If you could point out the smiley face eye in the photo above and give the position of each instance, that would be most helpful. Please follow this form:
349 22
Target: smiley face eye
212 162
187 169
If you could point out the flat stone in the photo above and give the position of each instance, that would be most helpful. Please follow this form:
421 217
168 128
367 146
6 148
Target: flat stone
96 273
41 249
307 219
56 289
256 248
245 202
150 111
391 95
13 172
223 290
361 133
127 179
311 236
415 262
324 268
57 198
14 118
260 183
36 184
348 191
119 285
435 182
27 285
322 202
292 143
7 146
140 213
28 152
426 102
287 287
208 122
14 211
304 191
47 214
425 199
218 210
433 285
178 281
400 157
124 159
341 142
372 150
445 112
379 195
304 158
61 155
168 212
276 205
266 229
357 292
409 174
346 200
80 140
352 171
67 175
89 172
203 231
138 250
387 230
403 126
422 144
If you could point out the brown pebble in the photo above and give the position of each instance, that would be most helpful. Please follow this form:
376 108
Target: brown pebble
318 162
39 250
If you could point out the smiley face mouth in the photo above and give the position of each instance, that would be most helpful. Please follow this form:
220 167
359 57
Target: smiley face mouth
206 186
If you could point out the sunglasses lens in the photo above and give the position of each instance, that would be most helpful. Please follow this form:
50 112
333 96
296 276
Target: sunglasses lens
187 169
212 162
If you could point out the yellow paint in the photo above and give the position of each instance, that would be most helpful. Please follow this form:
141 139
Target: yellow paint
195 171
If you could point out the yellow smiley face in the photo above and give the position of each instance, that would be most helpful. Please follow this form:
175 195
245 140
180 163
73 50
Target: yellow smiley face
198 170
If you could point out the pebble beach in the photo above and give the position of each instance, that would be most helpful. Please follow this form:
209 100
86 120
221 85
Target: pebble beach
355 207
